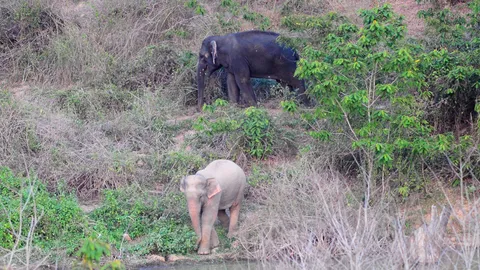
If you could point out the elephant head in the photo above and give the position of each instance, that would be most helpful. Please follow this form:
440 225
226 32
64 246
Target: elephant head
207 62
199 192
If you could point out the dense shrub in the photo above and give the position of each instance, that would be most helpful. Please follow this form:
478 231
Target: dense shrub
120 213
452 67
167 236
250 130
160 221
374 87
32 215
365 82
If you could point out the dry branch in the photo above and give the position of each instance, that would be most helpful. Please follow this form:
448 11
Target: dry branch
427 242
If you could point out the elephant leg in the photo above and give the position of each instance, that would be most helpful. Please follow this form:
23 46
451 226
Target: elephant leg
209 215
233 91
224 219
234 212
300 85
243 82
214 242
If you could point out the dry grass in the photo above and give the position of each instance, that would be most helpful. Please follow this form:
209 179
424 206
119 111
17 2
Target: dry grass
120 69
113 149
90 42
313 218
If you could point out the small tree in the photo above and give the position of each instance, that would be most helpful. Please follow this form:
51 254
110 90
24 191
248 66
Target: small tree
367 82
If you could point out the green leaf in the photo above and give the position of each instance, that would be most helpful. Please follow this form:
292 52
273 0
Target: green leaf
321 135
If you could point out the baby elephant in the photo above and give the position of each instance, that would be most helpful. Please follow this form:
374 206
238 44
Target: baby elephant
209 193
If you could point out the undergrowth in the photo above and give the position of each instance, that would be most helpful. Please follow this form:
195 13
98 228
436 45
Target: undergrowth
33 216
250 131
34 221
89 108
157 224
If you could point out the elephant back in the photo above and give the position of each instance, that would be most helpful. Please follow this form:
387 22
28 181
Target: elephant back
229 176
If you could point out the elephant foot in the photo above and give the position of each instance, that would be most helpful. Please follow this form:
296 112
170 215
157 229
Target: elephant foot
203 251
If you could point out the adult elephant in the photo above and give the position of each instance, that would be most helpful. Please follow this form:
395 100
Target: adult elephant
245 55
209 193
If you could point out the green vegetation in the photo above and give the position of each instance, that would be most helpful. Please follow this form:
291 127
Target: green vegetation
199 9
375 88
161 222
99 105
92 252
251 130
32 216
167 237
365 84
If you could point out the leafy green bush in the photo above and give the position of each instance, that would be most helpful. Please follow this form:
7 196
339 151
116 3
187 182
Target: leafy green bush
368 83
251 130
452 66
92 252
26 204
125 211
167 236
256 129
162 222
373 86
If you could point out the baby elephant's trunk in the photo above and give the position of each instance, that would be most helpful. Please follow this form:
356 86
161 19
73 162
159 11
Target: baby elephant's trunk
194 211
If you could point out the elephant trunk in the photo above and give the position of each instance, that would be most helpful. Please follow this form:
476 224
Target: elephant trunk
201 83
194 211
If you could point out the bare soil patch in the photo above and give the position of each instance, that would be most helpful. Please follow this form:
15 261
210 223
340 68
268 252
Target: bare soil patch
410 9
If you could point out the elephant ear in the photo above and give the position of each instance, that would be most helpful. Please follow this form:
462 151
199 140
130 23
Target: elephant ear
213 43
182 184
213 188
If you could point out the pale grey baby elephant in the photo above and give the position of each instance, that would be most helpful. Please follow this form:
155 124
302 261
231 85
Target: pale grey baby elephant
209 193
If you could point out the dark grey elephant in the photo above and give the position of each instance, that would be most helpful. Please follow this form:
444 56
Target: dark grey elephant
245 55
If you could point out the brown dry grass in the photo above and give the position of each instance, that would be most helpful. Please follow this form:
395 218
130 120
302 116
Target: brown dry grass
96 38
119 148
312 218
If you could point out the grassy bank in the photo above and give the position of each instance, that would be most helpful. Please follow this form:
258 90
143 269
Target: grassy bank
98 125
